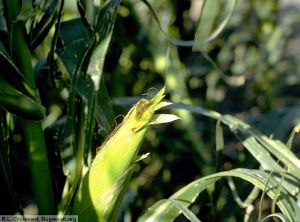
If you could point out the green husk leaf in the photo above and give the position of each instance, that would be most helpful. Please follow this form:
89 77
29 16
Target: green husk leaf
163 104
102 188
142 157
163 118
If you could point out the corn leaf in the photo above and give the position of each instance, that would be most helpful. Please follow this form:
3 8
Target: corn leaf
103 33
5 162
44 23
209 13
73 37
196 42
166 210
104 114
19 104
83 58
260 146
88 11
2 19
14 76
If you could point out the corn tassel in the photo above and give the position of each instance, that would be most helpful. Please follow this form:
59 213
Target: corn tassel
101 191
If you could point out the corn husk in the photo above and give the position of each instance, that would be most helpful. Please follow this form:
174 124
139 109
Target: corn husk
99 195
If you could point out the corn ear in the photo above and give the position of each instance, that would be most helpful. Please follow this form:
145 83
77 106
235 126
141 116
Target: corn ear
101 191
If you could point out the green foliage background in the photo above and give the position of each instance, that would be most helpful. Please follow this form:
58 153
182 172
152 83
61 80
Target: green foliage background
251 71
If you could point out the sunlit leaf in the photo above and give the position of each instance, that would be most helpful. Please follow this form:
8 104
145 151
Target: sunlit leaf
166 211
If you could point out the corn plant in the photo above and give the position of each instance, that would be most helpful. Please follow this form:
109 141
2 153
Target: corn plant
79 46
279 182
100 203
70 175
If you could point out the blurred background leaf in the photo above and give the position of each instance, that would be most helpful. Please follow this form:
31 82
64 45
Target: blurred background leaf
249 71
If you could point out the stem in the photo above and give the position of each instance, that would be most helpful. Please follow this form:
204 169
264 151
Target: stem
33 133
39 166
